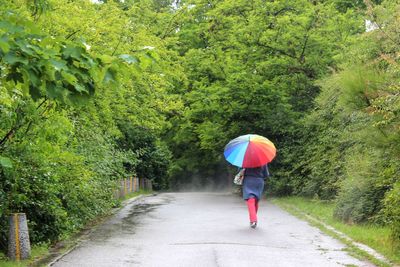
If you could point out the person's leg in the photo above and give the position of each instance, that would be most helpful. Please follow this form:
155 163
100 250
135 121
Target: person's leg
251 205
257 205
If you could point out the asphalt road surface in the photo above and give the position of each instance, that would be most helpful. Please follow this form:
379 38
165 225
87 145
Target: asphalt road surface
205 229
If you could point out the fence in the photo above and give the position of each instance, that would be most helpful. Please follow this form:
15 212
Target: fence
132 184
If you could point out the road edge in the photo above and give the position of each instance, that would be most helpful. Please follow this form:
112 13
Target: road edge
357 249
52 259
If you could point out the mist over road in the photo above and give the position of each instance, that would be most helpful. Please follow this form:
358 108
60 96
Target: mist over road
205 229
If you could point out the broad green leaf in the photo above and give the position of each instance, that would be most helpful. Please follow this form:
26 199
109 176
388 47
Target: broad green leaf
26 81
71 79
55 92
58 64
106 59
109 76
79 88
74 52
5 162
50 71
25 47
96 74
34 79
11 58
11 28
4 46
129 59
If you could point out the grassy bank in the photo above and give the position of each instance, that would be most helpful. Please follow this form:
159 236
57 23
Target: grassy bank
37 252
374 236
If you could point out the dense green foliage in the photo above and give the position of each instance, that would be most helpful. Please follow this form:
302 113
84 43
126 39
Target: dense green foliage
69 105
93 92
350 141
251 68
357 122
40 74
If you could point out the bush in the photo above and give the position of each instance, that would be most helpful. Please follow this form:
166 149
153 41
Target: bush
367 192
57 185
359 201
392 211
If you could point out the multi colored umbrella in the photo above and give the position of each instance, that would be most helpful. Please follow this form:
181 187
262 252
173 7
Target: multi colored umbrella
249 151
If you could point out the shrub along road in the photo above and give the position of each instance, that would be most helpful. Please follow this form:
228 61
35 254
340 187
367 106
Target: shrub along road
205 229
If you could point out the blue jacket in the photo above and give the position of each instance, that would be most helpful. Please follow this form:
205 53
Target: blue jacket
260 172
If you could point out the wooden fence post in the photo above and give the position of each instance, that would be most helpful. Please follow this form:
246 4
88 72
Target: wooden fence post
142 183
136 184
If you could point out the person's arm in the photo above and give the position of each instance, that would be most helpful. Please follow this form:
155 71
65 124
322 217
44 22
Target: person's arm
266 171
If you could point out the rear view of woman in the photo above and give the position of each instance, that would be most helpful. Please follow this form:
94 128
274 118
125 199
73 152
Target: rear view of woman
253 185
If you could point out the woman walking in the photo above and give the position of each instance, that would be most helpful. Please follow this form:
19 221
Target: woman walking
253 186
251 152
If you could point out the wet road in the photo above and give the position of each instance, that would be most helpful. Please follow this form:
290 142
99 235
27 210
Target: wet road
205 229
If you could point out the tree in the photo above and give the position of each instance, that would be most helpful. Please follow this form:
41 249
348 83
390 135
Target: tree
251 68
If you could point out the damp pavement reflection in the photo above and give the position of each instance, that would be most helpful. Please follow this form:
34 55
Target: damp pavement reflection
205 229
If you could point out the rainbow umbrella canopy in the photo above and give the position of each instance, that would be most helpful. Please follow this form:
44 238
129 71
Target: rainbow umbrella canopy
249 151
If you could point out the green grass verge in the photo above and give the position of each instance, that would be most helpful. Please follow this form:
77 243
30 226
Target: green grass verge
374 236
40 253
37 252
